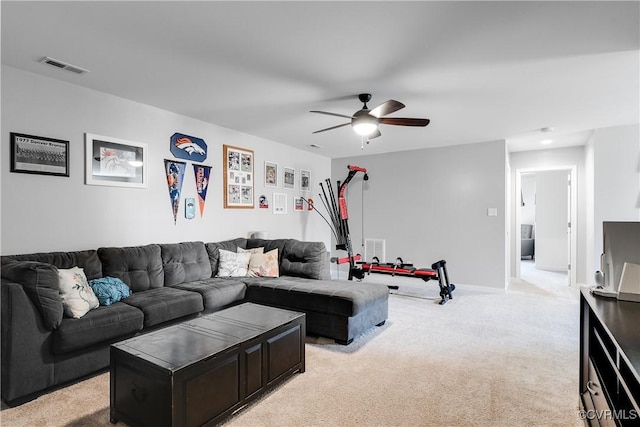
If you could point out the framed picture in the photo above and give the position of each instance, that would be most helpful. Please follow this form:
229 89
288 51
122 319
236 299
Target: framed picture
305 180
289 179
238 177
115 162
270 174
39 155
279 203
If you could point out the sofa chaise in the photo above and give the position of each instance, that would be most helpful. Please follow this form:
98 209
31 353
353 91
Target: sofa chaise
42 347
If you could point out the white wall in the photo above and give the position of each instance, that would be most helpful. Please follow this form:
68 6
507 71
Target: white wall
431 204
552 215
528 211
49 213
551 159
615 153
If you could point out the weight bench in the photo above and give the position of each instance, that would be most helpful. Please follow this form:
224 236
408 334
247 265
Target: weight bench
438 271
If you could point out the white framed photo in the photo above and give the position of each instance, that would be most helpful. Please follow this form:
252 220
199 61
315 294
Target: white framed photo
305 180
270 174
289 179
115 162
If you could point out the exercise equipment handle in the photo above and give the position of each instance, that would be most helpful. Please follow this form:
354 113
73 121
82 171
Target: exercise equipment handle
356 168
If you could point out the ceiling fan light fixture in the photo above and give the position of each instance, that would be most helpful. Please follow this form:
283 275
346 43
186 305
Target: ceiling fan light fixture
364 125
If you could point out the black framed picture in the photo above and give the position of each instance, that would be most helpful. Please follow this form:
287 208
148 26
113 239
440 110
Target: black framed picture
39 155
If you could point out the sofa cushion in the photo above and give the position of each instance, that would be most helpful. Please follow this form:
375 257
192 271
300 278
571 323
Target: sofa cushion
140 267
112 323
41 283
216 292
343 298
163 304
77 296
304 259
185 262
87 260
227 245
268 245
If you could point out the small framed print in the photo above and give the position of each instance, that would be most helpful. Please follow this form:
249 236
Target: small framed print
39 155
115 162
305 180
289 179
238 177
270 174
279 203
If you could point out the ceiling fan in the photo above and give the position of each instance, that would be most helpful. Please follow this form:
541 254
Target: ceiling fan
365 122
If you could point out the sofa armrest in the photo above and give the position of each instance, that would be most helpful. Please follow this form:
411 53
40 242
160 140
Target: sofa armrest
40 282
26 346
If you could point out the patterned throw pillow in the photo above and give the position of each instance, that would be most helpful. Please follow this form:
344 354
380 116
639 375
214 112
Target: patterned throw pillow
233 264
109 290
259 250
264 265
76 294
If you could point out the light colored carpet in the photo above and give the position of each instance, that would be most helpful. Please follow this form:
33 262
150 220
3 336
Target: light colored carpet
486 358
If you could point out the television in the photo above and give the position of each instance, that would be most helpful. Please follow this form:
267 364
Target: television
621 244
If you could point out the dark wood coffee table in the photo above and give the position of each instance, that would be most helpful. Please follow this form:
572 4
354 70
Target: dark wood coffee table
202 370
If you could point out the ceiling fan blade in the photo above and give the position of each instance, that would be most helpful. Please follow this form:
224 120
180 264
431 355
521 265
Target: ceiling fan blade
375 134
387 107
331 114
401 121
332 127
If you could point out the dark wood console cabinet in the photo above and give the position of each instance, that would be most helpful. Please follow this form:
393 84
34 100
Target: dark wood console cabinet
609 361
200 371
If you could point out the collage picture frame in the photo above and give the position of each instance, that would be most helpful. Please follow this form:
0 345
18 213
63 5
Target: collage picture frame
238 178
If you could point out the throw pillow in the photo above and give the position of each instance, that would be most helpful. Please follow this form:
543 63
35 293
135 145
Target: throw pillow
264 265
109 290
251 251
76 294
233 264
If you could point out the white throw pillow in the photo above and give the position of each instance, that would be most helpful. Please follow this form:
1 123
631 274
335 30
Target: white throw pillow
233 264
76 294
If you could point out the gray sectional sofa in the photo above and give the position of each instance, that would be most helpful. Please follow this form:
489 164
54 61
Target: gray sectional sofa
42 348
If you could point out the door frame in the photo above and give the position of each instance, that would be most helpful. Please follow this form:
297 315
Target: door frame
573 203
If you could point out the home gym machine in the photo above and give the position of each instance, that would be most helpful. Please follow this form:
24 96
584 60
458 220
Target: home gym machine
338 221
336 208
438 271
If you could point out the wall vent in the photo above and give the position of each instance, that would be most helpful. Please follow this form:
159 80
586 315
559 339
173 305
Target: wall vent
374 247
63 65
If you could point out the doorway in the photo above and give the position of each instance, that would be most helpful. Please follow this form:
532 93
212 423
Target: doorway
546 202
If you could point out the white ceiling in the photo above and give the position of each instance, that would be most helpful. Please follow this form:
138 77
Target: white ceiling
481 71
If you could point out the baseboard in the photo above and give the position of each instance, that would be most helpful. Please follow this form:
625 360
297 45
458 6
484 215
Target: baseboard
559 269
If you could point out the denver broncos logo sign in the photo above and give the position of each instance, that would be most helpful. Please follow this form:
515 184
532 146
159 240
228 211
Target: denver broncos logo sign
188 147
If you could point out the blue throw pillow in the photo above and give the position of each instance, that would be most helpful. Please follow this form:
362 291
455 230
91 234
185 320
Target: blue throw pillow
109 290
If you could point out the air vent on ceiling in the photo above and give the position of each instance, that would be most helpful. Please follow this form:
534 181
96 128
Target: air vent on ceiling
63 65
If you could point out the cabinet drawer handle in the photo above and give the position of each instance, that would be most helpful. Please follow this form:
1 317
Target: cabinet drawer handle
591 390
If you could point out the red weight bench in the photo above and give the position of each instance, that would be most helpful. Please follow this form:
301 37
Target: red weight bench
438 271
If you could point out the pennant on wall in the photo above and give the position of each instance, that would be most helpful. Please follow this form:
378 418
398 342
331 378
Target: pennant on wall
188 147
175 175
202 183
